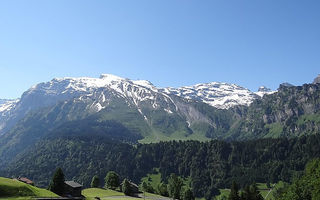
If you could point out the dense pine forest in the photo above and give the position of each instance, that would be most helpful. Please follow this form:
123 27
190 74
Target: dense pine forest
210 165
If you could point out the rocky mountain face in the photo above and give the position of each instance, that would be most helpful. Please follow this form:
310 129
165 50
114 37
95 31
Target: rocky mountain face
292 111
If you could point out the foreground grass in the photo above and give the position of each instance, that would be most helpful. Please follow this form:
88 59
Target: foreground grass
15 190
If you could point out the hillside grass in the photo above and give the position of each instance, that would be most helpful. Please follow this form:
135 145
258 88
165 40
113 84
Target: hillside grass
154 179
14 189
90 193
106 194
275 130
156 136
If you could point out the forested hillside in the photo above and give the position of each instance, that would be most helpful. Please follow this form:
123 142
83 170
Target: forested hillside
210 165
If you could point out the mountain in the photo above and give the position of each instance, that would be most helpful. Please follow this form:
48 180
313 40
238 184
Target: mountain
137 108
219 95
124 110
58 121
147 102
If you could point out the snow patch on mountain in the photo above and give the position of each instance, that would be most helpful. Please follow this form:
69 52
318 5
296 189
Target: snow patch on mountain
263 90
216 94
7 105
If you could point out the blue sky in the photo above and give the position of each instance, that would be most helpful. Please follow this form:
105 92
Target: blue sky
169 42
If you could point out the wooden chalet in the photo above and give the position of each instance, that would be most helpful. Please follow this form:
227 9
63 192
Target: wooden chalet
72 189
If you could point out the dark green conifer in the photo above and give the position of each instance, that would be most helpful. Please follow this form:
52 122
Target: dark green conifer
57 182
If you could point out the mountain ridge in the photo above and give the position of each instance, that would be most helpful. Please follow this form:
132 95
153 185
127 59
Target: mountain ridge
87 85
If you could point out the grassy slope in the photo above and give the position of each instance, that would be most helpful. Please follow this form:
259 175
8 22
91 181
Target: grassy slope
90 193
106 194
14 189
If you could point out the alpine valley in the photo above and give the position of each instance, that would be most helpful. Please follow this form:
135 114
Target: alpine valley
89 126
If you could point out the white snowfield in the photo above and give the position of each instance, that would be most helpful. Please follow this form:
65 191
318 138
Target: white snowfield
7 105
216 94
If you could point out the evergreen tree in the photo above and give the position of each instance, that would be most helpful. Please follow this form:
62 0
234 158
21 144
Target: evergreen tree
246 194
112 180
144 186
175 184
57 182
188 194
251 193
95 182
211 192
234 193
126 187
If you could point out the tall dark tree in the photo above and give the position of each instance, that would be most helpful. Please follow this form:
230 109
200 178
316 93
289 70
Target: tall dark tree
175 184
188 194
234 193
95 182
112 180
57 182
251 193
126 187
211 192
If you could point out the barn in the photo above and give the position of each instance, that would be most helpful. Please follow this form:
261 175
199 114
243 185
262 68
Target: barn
72 189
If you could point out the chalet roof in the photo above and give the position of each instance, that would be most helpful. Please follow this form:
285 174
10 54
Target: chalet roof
131 183
25 180
73 184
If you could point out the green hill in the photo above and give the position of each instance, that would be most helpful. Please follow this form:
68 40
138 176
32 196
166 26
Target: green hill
14 189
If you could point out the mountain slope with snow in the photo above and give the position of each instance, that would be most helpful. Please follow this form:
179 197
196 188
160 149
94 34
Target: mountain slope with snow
136 92
216 94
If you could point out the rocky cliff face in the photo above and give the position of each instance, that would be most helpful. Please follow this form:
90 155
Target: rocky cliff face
289 112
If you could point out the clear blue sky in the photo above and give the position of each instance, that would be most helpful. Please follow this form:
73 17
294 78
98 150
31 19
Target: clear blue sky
169 42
